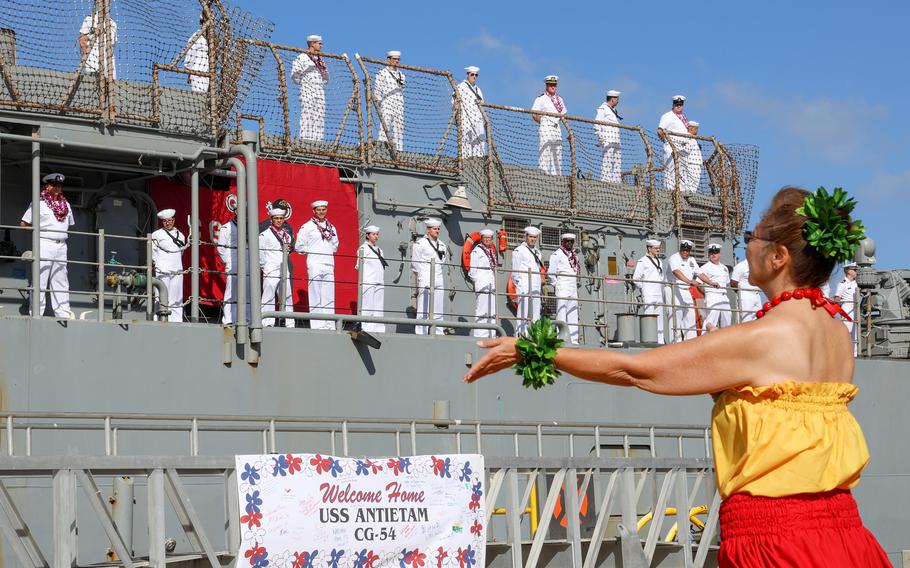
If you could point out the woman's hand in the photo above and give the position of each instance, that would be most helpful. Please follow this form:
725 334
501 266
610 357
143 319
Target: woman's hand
502 354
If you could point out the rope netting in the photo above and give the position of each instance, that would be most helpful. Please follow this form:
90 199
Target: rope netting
128 61
411 115
318 110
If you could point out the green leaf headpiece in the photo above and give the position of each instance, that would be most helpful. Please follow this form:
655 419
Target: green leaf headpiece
826 230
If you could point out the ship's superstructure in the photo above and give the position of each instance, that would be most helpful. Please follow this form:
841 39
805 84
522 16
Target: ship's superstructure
141 119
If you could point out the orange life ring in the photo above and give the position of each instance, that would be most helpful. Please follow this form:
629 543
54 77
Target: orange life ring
512 290
582 508
467 248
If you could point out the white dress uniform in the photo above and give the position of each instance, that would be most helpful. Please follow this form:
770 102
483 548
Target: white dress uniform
53 274
271 241
167 254
562 274
716 299
319 241
310 74
526 265
227 251
473 133
689 155
649 278
388 89
197 59
91 28
549 146
749 294
609 139
846 295
424 251
484 263
685 305
372 296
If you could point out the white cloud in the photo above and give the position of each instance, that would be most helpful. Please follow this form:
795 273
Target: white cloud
838 130
887 188
514 54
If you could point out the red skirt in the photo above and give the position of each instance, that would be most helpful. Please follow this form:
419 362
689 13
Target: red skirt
812 530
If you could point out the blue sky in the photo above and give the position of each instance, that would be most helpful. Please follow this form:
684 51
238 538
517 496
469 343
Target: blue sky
819 86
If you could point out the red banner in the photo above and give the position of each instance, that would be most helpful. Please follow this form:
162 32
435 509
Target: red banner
300 185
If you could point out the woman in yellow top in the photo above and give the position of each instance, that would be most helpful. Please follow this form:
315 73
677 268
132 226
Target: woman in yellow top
786 449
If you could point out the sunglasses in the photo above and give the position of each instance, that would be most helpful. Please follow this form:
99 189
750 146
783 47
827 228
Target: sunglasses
472 74
750 236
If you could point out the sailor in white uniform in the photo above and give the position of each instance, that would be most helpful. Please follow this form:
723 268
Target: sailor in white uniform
427 249
749 294
845 295
563 275
388 90
549 146
90 33
484 262
309 72
168 244
273 242
318 240
608 139
197 58
649 278
55 217
526 274
675 121
227 251
372 264
682 272
716 275
473 133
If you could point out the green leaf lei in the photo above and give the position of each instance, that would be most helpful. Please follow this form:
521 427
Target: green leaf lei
825 230
538 348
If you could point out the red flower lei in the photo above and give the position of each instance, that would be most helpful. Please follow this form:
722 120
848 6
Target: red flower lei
57 203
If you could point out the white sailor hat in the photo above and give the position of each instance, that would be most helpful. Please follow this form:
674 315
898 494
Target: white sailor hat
679 98
551 79
319 203
166 214
53 178
851 265
371 229
652 243
611 93
393 53
486 233
432 222
567 236
472 69
532 231
277 211
693 123
686 243
714 247
314 37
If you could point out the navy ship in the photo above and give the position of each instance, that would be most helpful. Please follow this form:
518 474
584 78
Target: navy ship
120 427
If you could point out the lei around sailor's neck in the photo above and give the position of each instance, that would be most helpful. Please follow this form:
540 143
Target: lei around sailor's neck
825 228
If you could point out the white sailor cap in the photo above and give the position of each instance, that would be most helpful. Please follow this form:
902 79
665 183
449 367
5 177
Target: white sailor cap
679 98
851 265
53 178
551 79
714 247
314 37
472 69
432 222
686 243
277 211
532 231
611 93
166 214
693 123
567 236
652 243
371 229
319 203
393 53
486 233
